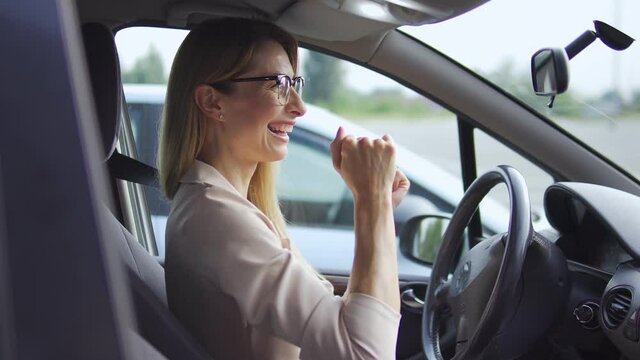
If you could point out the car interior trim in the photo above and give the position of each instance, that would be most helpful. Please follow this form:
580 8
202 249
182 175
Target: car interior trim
468 169
616 209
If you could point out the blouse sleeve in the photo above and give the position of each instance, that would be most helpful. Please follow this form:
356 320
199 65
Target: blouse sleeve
275 293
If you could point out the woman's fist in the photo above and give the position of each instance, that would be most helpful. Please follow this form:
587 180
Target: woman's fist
368 166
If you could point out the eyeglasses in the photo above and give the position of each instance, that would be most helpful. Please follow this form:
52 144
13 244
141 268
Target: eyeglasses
284 83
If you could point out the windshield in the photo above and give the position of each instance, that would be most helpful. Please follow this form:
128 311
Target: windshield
602 104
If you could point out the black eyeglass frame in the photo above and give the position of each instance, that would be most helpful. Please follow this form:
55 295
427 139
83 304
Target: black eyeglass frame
279 79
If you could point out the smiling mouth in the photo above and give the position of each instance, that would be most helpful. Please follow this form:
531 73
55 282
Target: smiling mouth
281 129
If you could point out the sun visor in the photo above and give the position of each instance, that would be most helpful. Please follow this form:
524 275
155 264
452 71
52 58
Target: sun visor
348 20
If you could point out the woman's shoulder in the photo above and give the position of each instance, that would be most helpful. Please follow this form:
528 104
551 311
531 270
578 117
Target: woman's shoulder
217 209
208 227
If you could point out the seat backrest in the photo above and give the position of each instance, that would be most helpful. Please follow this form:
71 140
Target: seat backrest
140 262
104 72
156 325
102 60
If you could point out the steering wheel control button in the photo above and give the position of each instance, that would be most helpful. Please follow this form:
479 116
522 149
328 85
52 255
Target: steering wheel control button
586 314
463 278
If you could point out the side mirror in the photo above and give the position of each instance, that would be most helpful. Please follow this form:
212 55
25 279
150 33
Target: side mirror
411 206
550 71
421 237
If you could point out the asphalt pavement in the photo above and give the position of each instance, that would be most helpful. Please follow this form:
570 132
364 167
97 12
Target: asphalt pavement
438 141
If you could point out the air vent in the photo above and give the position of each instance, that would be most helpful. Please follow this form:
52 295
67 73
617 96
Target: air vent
616 307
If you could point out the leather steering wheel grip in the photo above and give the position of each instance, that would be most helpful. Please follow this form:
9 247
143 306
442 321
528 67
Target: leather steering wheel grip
446 290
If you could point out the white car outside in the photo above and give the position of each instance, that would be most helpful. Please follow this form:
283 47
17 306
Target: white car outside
330 250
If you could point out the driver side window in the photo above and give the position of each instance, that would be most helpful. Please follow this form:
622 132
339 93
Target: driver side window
314 199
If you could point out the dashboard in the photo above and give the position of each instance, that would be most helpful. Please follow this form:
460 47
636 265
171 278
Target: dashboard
588 241
598 231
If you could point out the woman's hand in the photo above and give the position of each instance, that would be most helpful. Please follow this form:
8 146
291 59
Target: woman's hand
400 188
368 166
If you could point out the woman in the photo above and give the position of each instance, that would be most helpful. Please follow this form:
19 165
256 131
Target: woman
233 277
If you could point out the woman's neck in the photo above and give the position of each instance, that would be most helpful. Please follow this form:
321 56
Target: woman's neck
237 172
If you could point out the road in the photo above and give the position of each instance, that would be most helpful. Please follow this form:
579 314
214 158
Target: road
438 142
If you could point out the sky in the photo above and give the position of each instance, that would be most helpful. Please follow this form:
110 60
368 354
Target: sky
501 29
486 37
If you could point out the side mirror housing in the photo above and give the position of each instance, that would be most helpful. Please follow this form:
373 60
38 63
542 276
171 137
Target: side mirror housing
550 71
421 237
410 207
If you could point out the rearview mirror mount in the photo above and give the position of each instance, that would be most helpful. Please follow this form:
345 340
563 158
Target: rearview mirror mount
550 66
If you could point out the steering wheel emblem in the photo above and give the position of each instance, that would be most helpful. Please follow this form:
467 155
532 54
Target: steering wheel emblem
463 278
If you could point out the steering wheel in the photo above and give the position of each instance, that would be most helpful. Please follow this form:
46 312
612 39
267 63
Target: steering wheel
480 293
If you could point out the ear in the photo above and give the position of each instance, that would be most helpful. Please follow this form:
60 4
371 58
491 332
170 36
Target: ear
208 101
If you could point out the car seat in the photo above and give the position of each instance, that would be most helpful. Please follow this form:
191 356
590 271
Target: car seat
156 325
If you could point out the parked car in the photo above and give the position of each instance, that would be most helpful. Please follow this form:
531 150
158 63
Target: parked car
77 275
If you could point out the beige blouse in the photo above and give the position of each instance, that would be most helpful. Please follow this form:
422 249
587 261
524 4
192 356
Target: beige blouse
244 296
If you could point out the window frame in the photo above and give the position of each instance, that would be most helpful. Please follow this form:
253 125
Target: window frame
133 201
139 219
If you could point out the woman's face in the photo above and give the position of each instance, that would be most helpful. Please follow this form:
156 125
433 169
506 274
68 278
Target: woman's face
254 124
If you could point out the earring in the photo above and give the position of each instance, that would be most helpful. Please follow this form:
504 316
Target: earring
220 117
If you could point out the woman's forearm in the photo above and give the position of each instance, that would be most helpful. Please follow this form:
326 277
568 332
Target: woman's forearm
375 270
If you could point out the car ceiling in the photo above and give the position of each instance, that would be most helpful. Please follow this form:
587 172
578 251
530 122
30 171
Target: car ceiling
332 20
332 26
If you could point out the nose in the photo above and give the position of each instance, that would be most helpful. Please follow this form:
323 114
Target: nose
295 105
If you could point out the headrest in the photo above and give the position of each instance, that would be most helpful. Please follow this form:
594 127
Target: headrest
104 71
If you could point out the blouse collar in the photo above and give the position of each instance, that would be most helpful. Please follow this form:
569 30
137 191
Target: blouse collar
203 173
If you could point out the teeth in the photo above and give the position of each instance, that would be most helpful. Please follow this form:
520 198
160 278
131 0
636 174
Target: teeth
281 128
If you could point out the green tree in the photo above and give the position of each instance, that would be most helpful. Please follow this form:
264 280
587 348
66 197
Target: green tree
518 83
324 76
148 69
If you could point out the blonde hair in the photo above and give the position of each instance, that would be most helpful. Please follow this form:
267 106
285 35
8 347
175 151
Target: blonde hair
213 52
